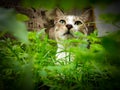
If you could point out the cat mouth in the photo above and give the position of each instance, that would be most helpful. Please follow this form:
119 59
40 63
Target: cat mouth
68 33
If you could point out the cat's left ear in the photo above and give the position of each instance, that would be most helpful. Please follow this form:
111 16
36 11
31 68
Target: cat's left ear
87 15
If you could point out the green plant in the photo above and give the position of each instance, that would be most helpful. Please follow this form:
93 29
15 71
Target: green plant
32 65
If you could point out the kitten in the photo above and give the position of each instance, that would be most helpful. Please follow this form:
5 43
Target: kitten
65 28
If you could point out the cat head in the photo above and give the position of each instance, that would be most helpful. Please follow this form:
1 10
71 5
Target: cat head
67 25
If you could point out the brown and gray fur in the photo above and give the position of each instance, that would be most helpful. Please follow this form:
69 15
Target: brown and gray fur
66 25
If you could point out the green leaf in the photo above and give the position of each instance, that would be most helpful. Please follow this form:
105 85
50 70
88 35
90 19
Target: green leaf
22 17
9 23
43 73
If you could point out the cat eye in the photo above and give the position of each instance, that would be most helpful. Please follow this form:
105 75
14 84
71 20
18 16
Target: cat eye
62 21
78 22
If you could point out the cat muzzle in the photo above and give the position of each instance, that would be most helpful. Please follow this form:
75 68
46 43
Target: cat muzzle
69 26
68 33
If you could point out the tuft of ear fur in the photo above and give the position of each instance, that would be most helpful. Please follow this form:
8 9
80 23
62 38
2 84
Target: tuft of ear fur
87 15
58 12
89 18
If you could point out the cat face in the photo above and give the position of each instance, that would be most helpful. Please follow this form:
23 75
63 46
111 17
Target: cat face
67 25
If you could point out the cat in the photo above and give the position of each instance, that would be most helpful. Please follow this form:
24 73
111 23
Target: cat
65 27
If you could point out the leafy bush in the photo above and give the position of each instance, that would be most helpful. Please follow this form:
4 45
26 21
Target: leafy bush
32 66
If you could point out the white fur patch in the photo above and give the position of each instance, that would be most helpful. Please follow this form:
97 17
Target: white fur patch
70 20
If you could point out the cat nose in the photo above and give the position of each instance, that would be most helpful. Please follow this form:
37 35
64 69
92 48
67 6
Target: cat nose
69 26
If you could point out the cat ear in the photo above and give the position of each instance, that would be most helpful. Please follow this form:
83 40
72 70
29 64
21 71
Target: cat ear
87 15
58 12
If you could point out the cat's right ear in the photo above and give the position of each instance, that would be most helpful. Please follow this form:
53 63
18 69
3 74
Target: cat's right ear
58 12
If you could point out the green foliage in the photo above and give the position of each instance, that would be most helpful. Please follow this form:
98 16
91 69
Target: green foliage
33 66
9 23
22 17
19 61
64 4
110 18
111 44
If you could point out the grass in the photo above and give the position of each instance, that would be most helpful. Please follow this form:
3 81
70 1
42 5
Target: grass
32 66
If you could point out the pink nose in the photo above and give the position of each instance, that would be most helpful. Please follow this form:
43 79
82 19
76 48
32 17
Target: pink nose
69 26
